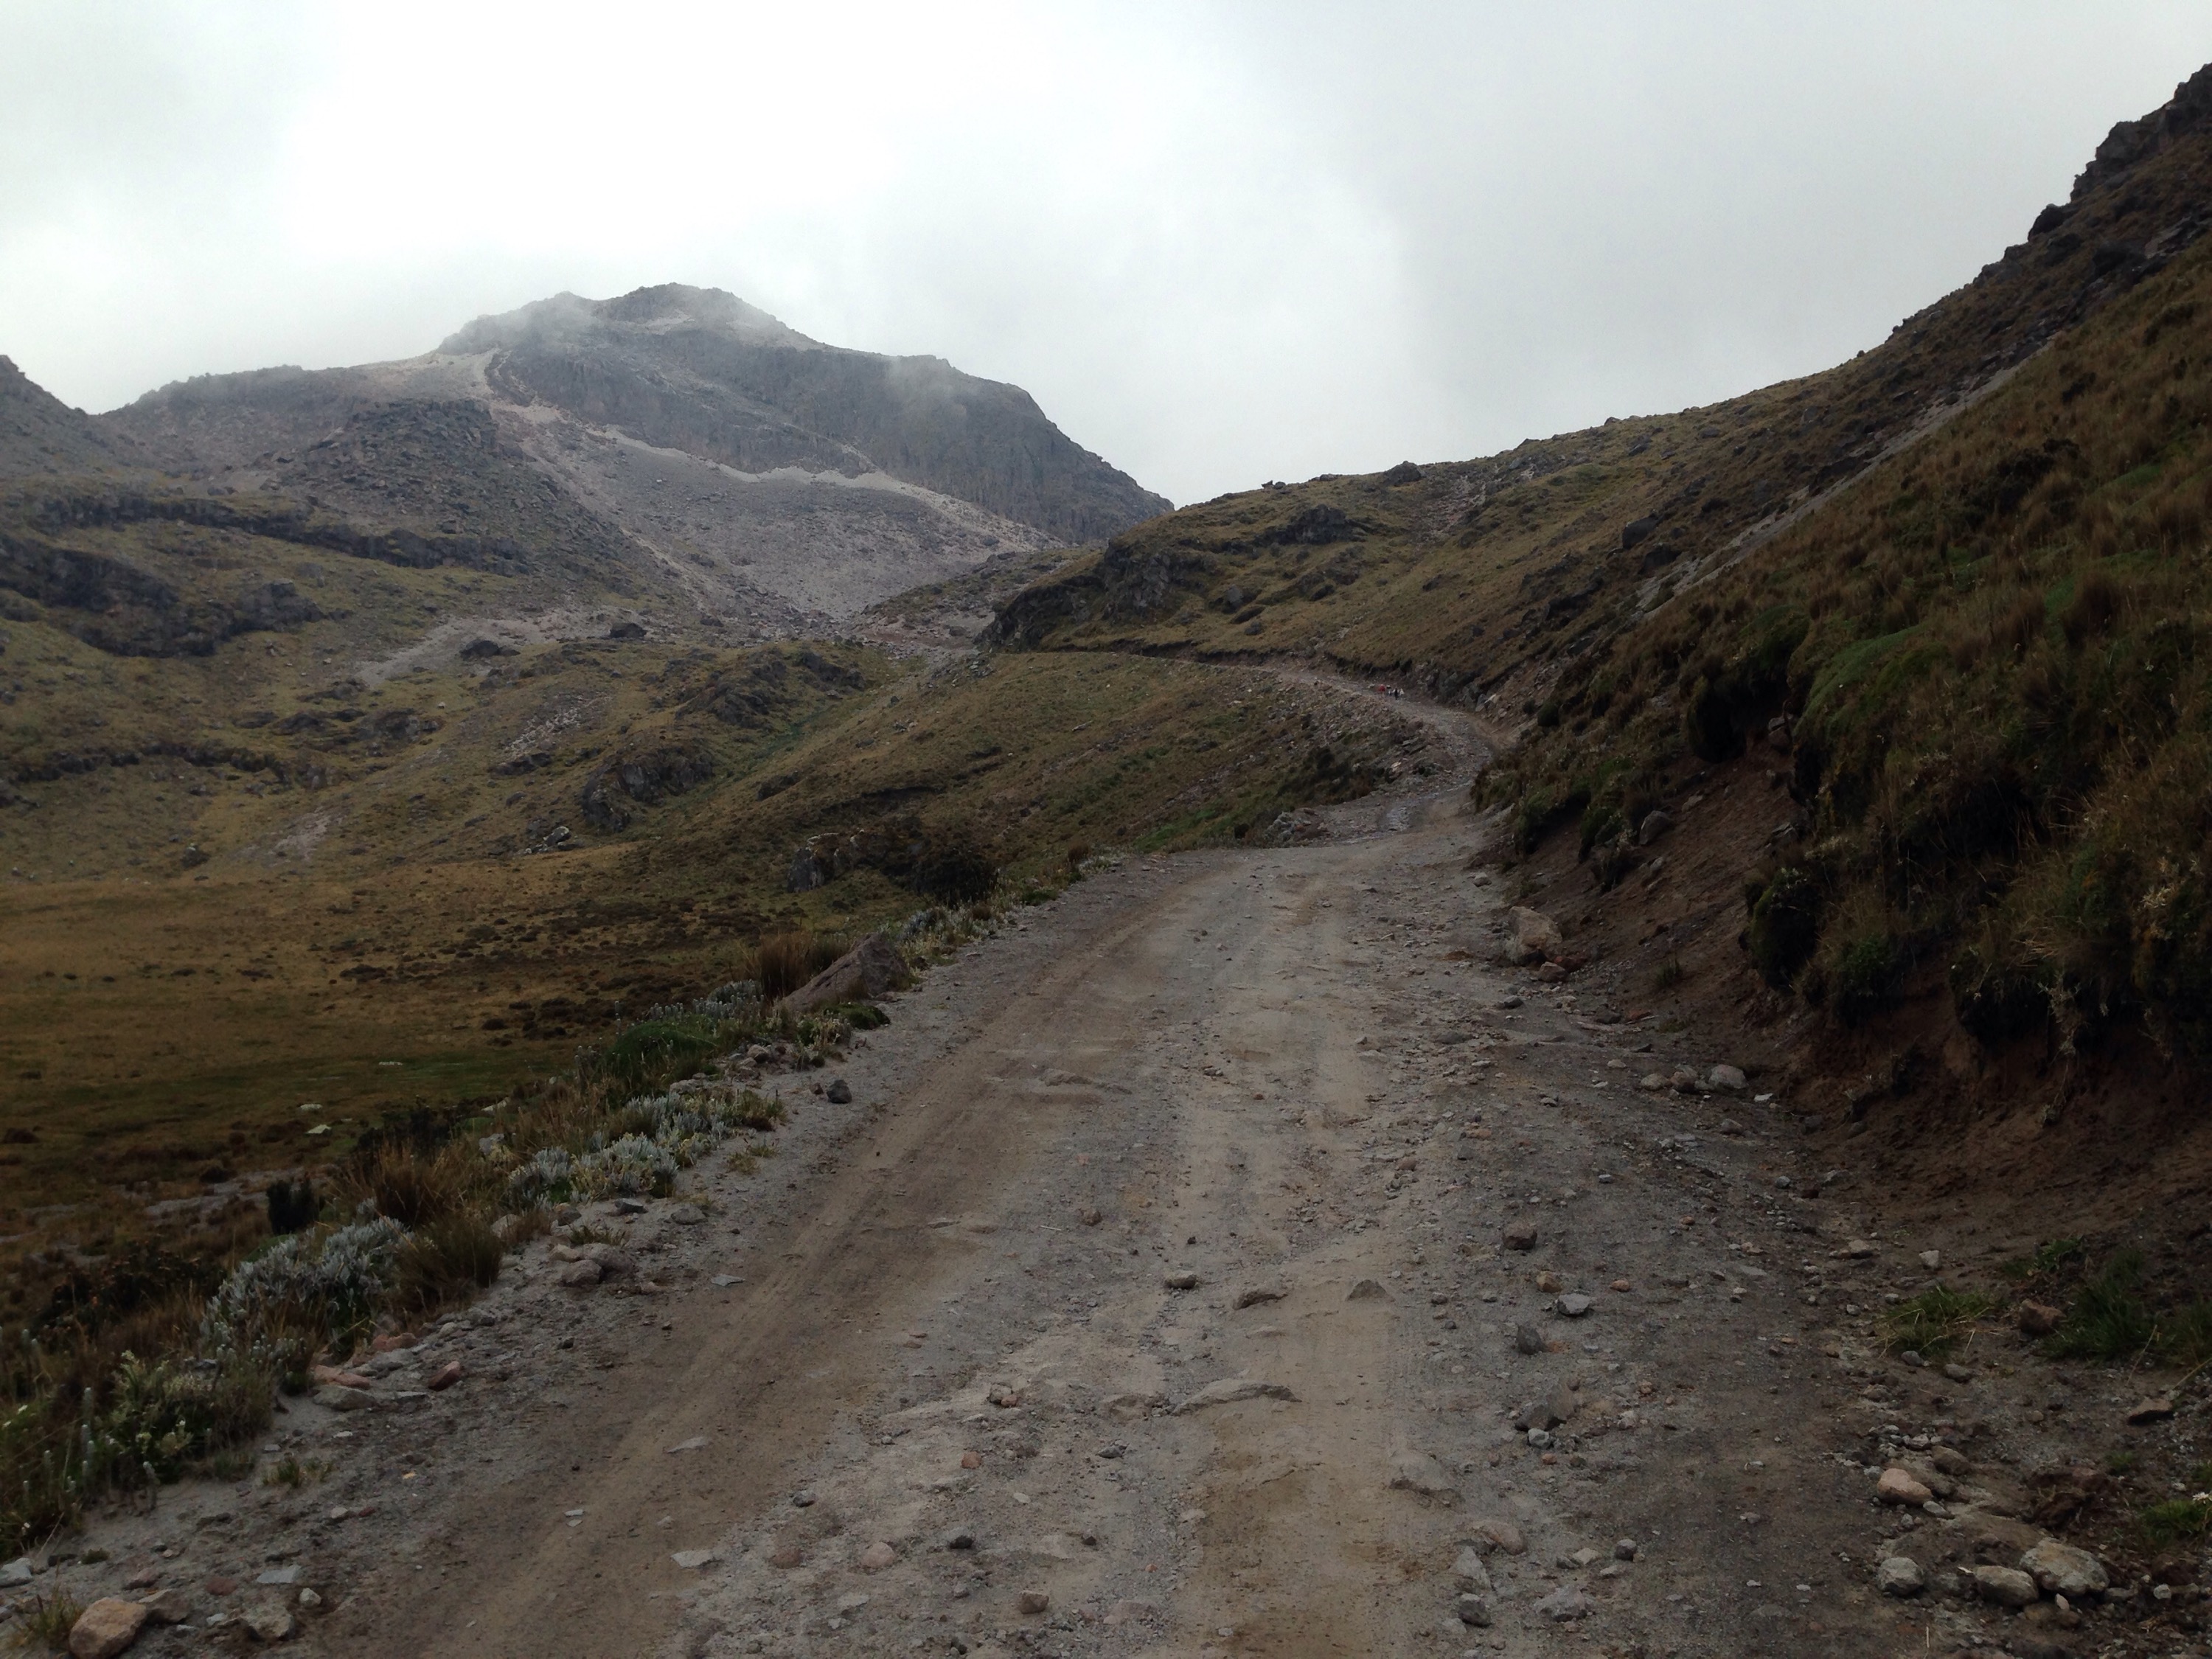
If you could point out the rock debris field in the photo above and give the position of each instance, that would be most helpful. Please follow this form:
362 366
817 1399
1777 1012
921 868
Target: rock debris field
1230 1257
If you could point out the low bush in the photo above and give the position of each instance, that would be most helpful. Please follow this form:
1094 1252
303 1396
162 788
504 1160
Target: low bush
447 1262
1785 926
1863 974
324 1286
784 962
2108 1320
1600 824
45 1618
401 1183
2177 1519
293 1206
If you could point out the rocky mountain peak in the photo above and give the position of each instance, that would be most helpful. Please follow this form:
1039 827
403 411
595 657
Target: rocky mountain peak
664 307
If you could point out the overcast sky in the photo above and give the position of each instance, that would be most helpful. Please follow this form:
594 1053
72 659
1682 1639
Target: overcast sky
1220 243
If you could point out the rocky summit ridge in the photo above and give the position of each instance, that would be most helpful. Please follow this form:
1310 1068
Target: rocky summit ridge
745 471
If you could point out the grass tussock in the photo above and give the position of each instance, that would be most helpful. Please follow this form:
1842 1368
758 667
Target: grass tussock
2108 1319
1934 1322
784 962
2177 1519
43 1620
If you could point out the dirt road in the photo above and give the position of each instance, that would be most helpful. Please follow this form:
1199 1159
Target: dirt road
1284 1081
1170 1286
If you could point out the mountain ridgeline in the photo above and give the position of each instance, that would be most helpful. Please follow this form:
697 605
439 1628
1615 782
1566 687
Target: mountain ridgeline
730 467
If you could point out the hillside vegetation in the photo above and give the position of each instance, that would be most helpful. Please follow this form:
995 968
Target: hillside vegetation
1988 660
392 752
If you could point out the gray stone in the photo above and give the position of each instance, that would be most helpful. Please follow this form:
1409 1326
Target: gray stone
1368 1290
2008 1586
1253 1295
687 1215
691 1559
867 971
613 1262
17 1573
1473 1608
168 1607
802 1500
1566 1602
2157 1409
1655 824
288 1574
1494 1533
1228 1391
1184 1280
1574 1306
1535 935
1899 1575
1470 1571
270 1623
1527 1339
1417 1471
336 1396
959 1538
1625 1549
1728 1078
839 1093
2062 1570
1520 1234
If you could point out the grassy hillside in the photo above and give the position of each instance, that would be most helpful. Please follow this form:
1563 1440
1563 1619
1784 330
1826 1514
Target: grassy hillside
1985 667
1481 577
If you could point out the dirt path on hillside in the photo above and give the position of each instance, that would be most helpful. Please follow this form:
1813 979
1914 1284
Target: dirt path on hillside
1170 1286
1282 1074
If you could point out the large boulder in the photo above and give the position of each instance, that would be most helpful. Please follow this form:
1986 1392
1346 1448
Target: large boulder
2066 1570
105 1628
2006 1586
1535 935
868 970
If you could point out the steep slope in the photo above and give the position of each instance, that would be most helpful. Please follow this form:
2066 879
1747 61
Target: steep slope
1904 656
754 474
1472 576
41 436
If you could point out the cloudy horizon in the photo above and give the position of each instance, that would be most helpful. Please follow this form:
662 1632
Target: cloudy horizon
1220 244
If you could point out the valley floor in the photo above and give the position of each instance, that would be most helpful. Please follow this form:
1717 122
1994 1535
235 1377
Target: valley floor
1168 1287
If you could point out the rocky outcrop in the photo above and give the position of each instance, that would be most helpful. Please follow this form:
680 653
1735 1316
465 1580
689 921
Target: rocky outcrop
870 969
645 777
699 370
41 436
115 605
946 864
